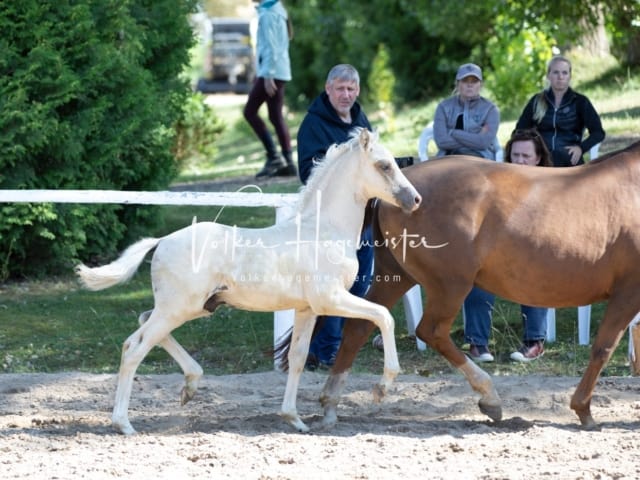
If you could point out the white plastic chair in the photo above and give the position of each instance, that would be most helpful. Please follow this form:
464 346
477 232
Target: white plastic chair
427 135
584 312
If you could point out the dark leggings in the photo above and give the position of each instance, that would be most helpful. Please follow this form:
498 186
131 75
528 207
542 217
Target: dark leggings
257 96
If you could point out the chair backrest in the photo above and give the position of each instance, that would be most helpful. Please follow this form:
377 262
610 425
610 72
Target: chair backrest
423 142
427 135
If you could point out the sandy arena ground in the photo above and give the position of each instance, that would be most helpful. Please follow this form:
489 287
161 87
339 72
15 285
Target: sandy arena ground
57 426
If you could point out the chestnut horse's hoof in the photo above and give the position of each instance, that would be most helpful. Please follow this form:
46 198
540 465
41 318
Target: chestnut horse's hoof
494 412
330 418
186 395
588 423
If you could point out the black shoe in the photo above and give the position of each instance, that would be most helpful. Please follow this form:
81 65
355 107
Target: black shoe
271 169
312 363
328 365
286 171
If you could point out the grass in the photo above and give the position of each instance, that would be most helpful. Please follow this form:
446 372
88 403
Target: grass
53 325
57 326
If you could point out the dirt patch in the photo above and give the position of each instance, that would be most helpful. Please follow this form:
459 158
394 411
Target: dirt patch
58 426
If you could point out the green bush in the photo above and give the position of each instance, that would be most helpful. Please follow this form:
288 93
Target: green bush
197 131
519 64
89 93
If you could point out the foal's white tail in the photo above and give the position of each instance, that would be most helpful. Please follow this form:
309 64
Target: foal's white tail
118 271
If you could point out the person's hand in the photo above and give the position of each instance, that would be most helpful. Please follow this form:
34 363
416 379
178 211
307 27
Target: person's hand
575 152
270 86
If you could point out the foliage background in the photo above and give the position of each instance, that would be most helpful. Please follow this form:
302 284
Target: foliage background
428 39
89 93
92 92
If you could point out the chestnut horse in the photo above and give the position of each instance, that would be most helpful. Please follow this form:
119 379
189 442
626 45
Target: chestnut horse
307 263
555 237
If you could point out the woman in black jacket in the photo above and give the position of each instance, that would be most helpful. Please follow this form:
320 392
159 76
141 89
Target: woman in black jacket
561 115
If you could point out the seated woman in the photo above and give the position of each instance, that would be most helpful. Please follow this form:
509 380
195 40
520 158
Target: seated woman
525 147
466 124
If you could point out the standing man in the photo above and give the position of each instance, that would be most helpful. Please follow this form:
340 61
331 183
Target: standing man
274 71
329 120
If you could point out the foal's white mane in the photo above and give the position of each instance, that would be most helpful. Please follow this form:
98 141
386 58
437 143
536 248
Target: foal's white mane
323 169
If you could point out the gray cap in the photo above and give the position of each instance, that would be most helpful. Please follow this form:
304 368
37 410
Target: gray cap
468 70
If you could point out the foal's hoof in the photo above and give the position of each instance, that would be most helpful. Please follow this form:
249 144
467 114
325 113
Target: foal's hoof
295 422
494 412
124 428
379 391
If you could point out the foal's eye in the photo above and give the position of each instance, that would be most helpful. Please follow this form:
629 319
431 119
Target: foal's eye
384 166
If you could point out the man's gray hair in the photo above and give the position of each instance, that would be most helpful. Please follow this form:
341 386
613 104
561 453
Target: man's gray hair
344 72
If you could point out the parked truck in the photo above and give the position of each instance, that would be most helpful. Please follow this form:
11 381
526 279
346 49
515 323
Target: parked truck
229 64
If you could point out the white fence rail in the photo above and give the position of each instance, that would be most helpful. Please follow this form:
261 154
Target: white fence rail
232 199
282 202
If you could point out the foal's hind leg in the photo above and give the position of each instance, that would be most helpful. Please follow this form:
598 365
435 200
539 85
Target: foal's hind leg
191 369
134 350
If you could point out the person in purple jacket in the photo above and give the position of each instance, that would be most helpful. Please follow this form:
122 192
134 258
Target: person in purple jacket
329 120
274 71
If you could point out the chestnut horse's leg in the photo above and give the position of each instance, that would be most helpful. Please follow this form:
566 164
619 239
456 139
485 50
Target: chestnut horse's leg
435 329
191 369
619 312
350 306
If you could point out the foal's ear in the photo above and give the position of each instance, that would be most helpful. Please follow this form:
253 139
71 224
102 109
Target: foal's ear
366 139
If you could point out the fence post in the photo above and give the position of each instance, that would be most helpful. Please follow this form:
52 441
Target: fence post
282 319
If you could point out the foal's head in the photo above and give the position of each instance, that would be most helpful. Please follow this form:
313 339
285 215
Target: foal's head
379 176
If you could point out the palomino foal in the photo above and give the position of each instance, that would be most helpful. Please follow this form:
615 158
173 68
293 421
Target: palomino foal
307 263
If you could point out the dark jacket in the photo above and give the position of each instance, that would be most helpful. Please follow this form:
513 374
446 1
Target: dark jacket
564 126
321 128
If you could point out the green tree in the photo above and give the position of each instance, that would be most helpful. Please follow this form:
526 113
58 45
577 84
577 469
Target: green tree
518 67
89 93
428 39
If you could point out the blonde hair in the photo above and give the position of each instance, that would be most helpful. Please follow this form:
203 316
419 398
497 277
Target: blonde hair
541 105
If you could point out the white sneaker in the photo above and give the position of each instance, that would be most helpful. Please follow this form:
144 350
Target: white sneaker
480 354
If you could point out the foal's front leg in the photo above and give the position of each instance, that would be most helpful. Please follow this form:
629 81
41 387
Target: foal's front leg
351 306
300 340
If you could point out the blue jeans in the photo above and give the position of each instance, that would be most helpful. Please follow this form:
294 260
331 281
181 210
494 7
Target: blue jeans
534 320
327 341
478 308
